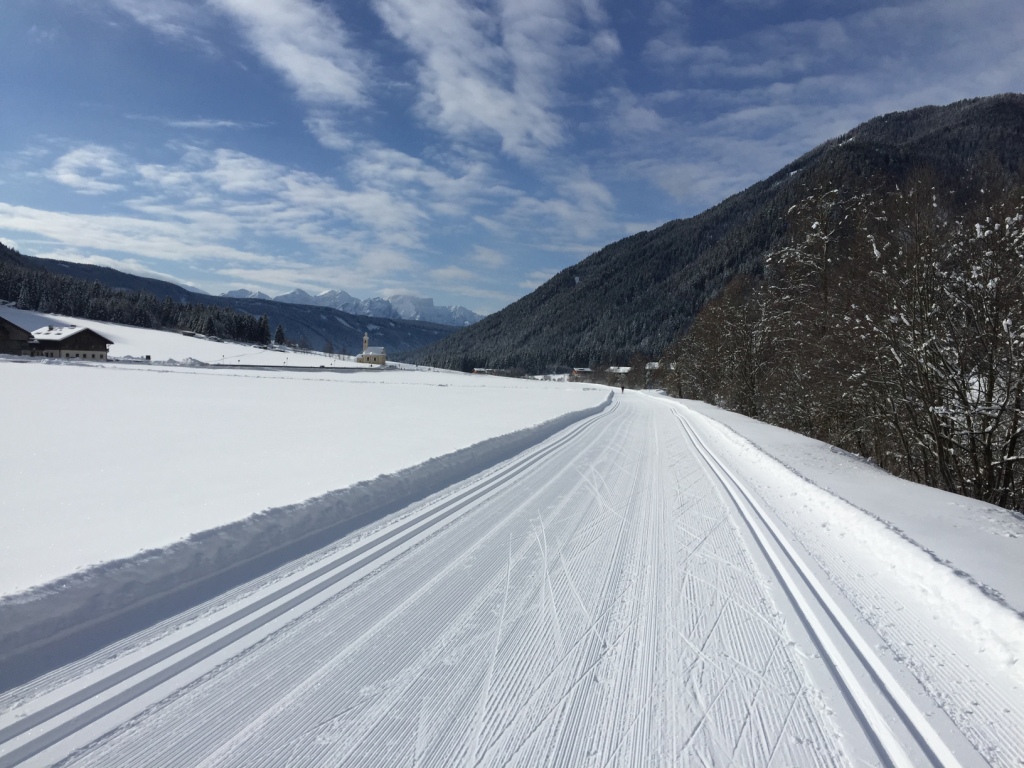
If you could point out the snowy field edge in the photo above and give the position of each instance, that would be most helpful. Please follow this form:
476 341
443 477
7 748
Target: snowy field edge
217 558
976 542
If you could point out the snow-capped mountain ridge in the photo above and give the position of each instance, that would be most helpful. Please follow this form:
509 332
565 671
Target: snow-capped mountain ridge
395 307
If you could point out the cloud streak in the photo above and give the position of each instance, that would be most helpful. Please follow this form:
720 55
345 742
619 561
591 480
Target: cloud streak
90 170
307 44
498 72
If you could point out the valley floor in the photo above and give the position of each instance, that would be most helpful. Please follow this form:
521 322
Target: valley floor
633 590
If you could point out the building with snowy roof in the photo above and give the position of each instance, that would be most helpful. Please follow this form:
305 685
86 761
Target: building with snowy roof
371 355
70 341
14 340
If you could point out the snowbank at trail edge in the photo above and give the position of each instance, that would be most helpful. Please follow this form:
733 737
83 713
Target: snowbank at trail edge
217 559
978 542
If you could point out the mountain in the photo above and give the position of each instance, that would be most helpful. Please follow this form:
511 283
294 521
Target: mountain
241 293
302 323
635 296
397 307
415 308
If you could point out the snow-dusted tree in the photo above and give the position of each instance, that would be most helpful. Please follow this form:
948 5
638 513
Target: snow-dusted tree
943 315
805 296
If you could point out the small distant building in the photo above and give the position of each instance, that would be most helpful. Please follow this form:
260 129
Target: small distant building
15 340
70 341
581 374
371 355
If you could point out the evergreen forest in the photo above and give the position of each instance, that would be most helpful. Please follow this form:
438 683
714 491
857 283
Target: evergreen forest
890 324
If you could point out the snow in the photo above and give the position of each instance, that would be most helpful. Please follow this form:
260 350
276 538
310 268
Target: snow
130 343
643 587
57 333
981 543
505 572
119 459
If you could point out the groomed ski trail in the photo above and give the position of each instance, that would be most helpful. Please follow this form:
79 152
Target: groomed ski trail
615 596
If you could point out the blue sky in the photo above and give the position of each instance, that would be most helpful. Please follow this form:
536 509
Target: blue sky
465 151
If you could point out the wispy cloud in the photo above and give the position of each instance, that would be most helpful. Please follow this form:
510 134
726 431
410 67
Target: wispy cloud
751 102
210 205
307 44
324 127
135 236
488 257
498 72
130 265
90 170
199 123
171 18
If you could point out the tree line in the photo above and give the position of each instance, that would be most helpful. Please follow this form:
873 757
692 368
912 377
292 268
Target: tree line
634 296
51 293
890 324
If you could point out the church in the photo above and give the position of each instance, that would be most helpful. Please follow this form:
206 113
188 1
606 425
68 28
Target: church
371 355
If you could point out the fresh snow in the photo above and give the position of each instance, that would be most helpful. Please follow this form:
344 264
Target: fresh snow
549 574
130 343
120 459
982 543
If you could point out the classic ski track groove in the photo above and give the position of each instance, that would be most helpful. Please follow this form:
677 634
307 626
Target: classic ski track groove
828 626
292 595
601 607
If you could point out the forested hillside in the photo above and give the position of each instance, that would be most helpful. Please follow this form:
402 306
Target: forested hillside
637 295
890 324
101 293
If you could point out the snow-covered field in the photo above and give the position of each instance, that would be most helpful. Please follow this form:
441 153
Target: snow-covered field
533 575
131 343
117 459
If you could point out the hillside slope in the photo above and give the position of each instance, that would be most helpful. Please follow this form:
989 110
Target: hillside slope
634 296
315 326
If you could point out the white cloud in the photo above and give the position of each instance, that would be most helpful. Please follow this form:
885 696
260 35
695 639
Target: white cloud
171 18
163 240
498 71
627 114
452 275
90 170
488 257
205 124
325 128
132 266
307 44
211 206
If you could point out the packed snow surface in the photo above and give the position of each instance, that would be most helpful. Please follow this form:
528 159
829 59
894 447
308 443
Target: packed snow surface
984 544
641 588
101 461
130 343
535 573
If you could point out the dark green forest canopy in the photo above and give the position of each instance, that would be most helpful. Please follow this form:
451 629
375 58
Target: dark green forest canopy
635 296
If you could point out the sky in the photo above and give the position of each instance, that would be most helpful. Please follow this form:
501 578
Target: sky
464 151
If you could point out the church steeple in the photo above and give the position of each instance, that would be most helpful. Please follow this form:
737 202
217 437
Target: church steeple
366 341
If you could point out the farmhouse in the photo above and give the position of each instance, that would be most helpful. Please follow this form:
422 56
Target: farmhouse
14 340
71 341
371 355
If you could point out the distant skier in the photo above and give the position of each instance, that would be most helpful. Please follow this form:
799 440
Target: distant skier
623 388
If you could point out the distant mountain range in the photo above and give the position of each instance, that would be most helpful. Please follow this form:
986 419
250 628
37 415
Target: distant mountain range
317 326
635 296
397 307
